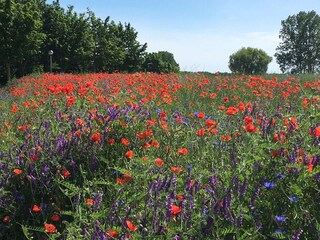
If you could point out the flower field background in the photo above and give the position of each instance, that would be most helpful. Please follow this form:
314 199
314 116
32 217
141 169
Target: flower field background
147 156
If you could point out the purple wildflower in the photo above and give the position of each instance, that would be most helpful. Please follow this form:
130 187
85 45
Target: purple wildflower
280 218
269 185
294 199
280 176
97 200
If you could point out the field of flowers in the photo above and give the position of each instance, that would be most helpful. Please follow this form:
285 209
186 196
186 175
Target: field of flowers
149 156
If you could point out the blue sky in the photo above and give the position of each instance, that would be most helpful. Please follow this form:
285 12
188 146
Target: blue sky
201 34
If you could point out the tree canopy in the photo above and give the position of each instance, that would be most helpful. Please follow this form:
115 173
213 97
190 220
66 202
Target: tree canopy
80 42
299 51
20 33
249 61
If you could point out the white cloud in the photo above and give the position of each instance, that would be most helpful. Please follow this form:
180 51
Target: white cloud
208 51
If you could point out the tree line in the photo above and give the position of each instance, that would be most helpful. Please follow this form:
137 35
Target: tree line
83 42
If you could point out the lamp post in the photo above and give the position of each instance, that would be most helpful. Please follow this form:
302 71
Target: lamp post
50 55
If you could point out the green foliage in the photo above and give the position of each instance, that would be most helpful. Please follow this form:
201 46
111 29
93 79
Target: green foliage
80 42
107 54
161 62
299 51
249 61
134 51
20 33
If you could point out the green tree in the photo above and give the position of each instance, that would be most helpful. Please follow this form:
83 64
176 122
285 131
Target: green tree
20 33
80 41
249 61
299 51
134 51
108 54
161 61
55 29
70 37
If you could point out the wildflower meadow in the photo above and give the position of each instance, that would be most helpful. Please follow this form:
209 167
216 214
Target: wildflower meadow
160 156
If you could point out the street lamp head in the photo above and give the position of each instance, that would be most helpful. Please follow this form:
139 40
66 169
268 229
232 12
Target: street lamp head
50 52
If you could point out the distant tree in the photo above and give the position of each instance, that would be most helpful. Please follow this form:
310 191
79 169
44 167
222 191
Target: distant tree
299 51
249 61
161 61
20 33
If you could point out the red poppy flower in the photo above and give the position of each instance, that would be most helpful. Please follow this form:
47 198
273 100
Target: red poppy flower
14 109
96 137
131 226
21 128
125 142
210 123
129 154
317 131
232 110
162 114
180 196
112 233
155 144
70 100
148 132
176 170
141 136
65 173
6 219
50 228
17 171
279 136
182 151
248 119
79 122
201 115
89 201
55 218
36 208
306 102
201 132
159 162
214 130
175 209
250 128
212 95
241 106
111 141
226 137
150 123
146 145
121 181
